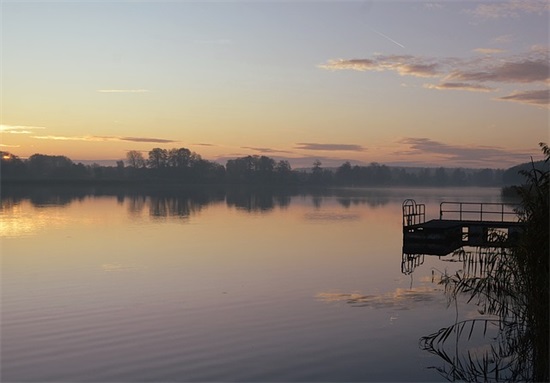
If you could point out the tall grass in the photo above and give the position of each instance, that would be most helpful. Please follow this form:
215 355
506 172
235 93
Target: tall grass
532 263
514 291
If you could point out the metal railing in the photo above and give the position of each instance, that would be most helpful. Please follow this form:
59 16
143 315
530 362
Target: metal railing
480 211
413 213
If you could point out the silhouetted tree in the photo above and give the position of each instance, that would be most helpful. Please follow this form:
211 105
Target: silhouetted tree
402 177
183 165
46 166
440 177
251 169
383 175
316 172
425 176
120 168
344 174
459 177
135 159
319 175
265 165
158 158
207 171
179 158
484 177
283 172
11 166
97 170
239 169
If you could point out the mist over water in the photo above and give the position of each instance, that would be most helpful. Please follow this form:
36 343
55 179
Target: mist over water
218 285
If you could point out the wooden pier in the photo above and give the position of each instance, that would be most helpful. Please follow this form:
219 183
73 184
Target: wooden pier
459 224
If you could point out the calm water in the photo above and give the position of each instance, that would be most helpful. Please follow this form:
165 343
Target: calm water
218 287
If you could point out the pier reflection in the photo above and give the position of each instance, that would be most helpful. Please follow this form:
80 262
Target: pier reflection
473 260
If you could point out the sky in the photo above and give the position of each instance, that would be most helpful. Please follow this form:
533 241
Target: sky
451 83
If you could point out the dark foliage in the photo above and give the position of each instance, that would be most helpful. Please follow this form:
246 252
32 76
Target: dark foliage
513 287
180 165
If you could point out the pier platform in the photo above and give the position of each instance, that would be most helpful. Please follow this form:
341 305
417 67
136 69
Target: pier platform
470 224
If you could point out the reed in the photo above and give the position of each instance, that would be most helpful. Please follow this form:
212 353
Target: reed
513 291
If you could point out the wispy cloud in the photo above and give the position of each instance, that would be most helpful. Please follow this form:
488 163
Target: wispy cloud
513 8
329 147
104 138
489 51
19 129
402 64
476 74
532 97
9 146
429 5
530 67
71 138
520 71
265 150
459 86
123 90
145 139
471 154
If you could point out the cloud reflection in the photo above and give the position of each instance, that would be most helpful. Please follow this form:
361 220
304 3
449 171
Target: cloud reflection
110 267
331 216
400 299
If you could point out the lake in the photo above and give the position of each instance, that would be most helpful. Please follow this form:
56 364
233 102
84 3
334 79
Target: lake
219 286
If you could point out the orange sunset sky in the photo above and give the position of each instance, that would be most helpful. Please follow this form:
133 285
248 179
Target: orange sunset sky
449 83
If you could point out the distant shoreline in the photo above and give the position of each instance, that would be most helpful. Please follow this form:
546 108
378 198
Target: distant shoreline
156 183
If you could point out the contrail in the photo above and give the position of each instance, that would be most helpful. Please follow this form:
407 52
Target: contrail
389 38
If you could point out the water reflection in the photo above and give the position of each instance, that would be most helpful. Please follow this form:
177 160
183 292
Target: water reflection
331 216
214 284
473 260
257 200
136 204
399 299
16 220
116 267
249 199
165 206
505 276
496 344
474 350
21 207
163 202
409 262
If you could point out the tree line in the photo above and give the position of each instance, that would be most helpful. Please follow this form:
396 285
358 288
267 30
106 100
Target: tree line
181 165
